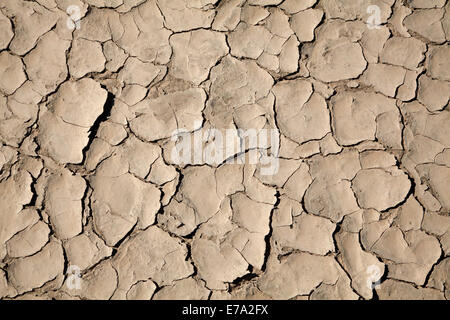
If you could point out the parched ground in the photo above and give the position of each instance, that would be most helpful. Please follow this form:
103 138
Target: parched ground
92 206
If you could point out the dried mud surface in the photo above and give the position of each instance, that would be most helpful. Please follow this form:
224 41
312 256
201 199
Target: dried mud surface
93 207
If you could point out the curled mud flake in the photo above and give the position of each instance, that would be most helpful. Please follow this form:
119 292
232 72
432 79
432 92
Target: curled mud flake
85 57
305 22
30 20
426 93
380 189
114 218
405 52
427 23
180 16
440 277
63 203
46 64
12 74
309 119
228 15
160 118
439 63
336 57
358 263
32 272
307 233
143 290
15 194
299 274
195 53
65 124
151 254
6 33
29 241
85 250
186 289
398 290
293 6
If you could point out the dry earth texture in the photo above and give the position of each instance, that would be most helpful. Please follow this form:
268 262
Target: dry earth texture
92 206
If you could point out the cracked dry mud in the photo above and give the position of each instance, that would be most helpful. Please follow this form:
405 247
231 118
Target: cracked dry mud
86 120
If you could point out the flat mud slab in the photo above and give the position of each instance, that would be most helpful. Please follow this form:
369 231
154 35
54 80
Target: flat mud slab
224 149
